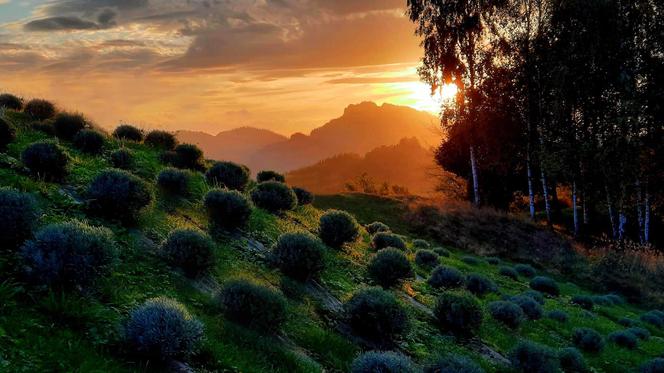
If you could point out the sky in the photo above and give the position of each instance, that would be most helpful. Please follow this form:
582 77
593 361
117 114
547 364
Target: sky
211 65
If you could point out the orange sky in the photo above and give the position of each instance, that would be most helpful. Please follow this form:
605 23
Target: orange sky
210 65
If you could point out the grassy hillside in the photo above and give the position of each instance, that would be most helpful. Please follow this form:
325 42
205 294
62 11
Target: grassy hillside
70 331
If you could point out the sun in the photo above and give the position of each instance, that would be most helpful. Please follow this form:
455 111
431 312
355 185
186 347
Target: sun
418 96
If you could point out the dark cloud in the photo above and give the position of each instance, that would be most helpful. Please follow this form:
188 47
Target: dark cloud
359 6
60 24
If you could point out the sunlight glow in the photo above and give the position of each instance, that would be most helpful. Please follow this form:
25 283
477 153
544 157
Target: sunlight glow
418 96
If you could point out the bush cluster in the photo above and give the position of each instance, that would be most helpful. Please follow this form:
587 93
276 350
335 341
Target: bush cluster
185 156
69 255
624 338
274 196
376 315
383 362
584 301
507 313
376 227
7 134
382 240
269 175
122 158
572 361
525 270
479 284
162 329
441 251
508 272
535 295
654 317
470 260
655 365
90 141
46 159
530 357
445 277
227 209
299 255
426 258
529 306
458 314
18 213
640 333
252 305
337 228
229 175
493 260
9 101
626 321
453 364
118 195
304 197
173 181
558 315
421 244
43 126
545 285
388 267
161 139
587 339
39 109
608 300
128 132
67 125
190 250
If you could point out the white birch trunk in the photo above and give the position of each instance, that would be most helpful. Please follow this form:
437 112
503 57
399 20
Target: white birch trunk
609 204
531 192
575 212
547 204
476 184
622 221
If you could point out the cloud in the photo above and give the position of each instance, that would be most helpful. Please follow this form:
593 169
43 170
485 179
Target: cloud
371 80
60 24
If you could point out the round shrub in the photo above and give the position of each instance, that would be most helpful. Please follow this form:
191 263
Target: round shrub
530 357
251 305
268 175
67 125
458 314
640 333
173 181
529 306
470 260
445 277
89 141
653 318
227 209
583 301
161 139
492 260
118 195
545 285
337 228
376 315
653 366
383 362
299 255
382 240
185 156
9 101
441 251
7 134
46 159
624 338
128 132
162 329
572 361
421 244
507 313
274 196
608 300
626 321
479 284
69 255
376 227
535 295
122 159
388 267
18 213
508 272
426 258
43 126
587 339
525 270
304 197
558 315
453 364
229 175
39 109
190 250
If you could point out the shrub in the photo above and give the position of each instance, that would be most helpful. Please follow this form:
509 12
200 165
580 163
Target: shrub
441 251
421 244
653 318
653 366
227 209
274 196
304 197
525 270
299 255
530 357
640 333
269 175
624 338
558 315
583 301
458 314
453 364
587 339
89 141
507 313
161 139
252 305
535 295
228 174
383 362
470 260
426 258
626 321
43 126
118 195
337 228
185 156
7 134
608 300
67 125
162 329
382 240
46 159
508 272
529 306
445 277
545 285
571 361
122 159
190 250
173 181
18 213
479 284
376 227
388 267
39 109
128 132
492 260
376 315
9 101
69 255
